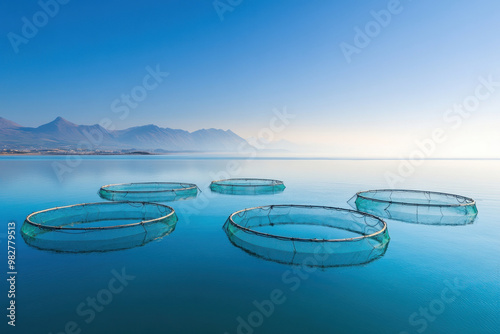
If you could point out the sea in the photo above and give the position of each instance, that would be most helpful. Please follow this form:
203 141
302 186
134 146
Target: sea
430 279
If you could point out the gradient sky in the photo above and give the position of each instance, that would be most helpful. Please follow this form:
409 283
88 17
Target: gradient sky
232 73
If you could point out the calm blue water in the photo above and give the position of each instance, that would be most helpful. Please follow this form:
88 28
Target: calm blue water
195 281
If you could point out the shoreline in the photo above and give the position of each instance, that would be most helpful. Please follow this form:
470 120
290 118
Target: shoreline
228 155
76 153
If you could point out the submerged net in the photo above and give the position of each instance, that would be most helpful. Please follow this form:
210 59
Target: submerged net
149 191
247 186
415 206
252 231
97 227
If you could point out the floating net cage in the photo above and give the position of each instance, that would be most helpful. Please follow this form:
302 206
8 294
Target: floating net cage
98 227
252 230
415 206
149 191
247 186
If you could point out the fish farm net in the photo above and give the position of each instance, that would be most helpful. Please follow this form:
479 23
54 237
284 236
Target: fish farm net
415 206
149 191
98 227
247 186
299 235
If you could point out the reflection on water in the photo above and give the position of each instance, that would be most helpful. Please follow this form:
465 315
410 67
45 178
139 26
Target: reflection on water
325 256
106 242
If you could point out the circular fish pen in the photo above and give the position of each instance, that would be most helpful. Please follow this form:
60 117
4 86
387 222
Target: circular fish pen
247 186
98 227
416 206
314 236
149 191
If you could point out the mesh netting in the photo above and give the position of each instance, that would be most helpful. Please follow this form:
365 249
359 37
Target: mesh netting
96 227
414 206
367 236
149 191
247 186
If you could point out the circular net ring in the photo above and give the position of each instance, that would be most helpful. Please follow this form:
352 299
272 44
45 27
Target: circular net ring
371 240
149 191
100 226
247 186
417 206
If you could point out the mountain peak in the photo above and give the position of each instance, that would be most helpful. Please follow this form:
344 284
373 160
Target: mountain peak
150 126
60 120
213 130
58 124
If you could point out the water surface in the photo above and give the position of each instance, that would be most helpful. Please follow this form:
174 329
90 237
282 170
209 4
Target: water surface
195 281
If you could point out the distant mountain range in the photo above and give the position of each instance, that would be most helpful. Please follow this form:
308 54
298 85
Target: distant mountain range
62 134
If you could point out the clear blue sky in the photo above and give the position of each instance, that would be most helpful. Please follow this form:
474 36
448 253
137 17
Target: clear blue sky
231 73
